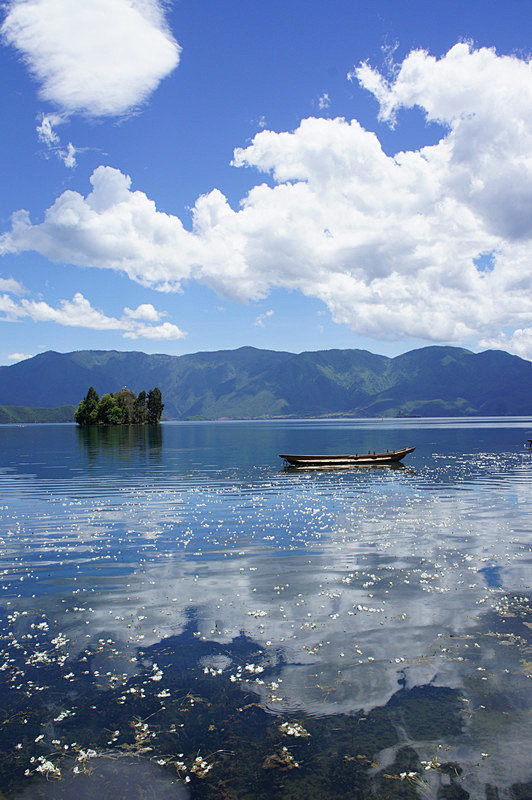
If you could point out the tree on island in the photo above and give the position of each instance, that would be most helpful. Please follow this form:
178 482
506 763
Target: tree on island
120 408
88 408
155 405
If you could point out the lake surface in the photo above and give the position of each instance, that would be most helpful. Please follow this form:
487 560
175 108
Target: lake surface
182 617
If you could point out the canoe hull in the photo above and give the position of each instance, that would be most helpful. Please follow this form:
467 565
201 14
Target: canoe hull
347 460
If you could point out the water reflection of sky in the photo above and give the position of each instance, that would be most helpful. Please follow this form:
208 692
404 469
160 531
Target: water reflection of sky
355 583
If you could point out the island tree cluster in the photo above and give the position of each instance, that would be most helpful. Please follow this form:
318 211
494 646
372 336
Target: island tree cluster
121 408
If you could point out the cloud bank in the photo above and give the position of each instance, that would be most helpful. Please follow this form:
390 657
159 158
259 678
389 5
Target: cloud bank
433 244
79 313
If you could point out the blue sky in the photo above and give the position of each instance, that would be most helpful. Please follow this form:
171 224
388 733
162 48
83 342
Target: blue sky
207 174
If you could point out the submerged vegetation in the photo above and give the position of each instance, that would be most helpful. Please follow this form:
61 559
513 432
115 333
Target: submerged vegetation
120 408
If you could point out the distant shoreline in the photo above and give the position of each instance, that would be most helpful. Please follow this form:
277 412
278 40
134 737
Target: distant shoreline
26 415
10 415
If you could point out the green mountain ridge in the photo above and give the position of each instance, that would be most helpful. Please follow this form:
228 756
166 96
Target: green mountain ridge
251 383
22 415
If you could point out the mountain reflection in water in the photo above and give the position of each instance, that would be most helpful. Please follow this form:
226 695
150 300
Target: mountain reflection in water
176 602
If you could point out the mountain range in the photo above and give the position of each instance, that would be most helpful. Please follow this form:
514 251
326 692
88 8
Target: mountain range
251 383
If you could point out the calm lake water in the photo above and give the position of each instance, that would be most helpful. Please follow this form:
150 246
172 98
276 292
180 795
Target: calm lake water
182 617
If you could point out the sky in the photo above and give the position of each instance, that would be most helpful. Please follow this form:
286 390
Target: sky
199 175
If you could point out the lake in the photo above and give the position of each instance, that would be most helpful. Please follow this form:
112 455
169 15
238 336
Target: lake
181 616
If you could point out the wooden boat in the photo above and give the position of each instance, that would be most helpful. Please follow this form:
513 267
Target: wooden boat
348 460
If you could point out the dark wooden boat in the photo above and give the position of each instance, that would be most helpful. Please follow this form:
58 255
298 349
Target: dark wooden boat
347 460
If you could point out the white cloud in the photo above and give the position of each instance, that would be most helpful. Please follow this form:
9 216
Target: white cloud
111 228
262 317
145 311
324 101
19 356
68 155
79 313
519 342
47 135
390 244
165 331
12 286
100 58
46 132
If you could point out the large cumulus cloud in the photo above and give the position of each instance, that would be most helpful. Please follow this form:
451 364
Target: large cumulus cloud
100 58
431 243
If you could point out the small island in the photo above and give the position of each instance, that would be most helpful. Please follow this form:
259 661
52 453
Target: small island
121 408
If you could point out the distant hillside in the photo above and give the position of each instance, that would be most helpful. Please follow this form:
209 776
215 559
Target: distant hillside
250 383
23 414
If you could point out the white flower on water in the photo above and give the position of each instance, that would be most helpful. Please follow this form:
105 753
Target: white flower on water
47 767
434 764
63 715
84 755
201 767
293 729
